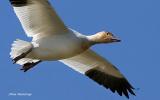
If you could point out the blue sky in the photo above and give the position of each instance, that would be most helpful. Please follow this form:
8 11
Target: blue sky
135 22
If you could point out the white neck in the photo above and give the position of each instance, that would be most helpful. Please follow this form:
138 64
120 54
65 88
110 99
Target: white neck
96 39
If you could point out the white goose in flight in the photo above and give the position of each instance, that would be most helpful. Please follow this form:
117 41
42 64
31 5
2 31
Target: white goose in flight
52 40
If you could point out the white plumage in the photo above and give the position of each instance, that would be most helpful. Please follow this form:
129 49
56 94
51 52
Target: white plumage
19 47
89 60
52 40
38 19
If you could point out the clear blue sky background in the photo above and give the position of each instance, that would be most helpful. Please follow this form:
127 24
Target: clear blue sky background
136 22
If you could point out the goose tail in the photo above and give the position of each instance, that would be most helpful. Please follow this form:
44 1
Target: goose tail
19 49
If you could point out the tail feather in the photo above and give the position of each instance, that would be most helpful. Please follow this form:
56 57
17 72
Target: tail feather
18 53
19 47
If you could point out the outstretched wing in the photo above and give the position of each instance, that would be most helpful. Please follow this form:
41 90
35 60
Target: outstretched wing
101 71
38 18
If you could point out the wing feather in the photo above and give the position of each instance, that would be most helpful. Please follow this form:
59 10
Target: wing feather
38 18
101 71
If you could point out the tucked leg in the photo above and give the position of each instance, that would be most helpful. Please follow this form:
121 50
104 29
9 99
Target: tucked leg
29 65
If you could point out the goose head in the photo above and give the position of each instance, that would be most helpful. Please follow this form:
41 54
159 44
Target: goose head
102 37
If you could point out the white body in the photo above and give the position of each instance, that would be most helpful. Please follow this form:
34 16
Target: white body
59 46
52 40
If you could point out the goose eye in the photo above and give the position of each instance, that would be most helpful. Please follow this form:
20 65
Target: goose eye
109 33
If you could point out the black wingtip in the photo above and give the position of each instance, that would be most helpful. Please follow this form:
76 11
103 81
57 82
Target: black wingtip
18 3
121 85
131 91
24 70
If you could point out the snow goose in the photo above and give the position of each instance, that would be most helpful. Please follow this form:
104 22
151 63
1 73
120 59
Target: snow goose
52 40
